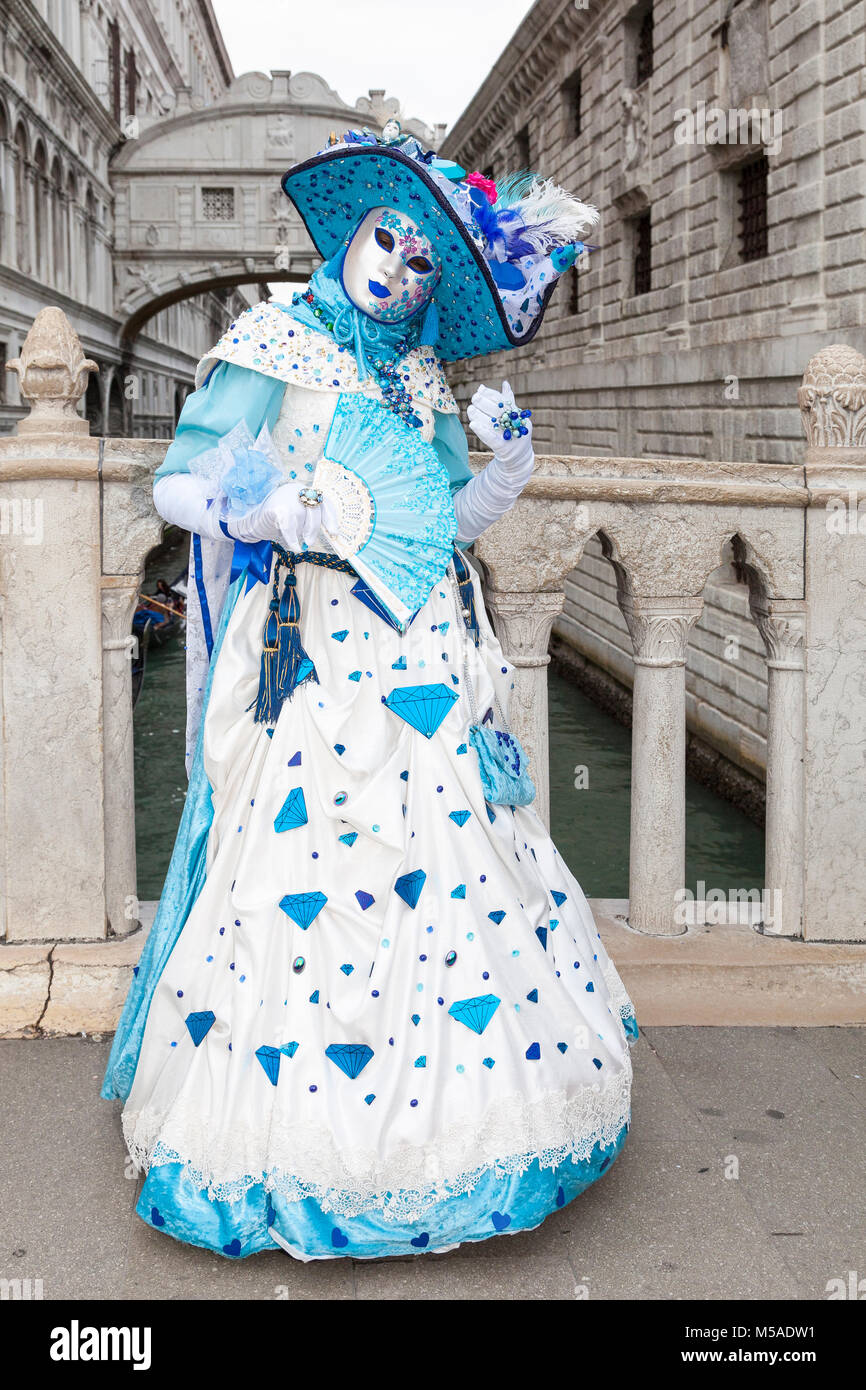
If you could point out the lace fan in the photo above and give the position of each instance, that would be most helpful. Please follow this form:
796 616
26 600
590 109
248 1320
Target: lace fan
390 493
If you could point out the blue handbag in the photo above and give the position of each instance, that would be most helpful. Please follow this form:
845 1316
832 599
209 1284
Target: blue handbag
503 764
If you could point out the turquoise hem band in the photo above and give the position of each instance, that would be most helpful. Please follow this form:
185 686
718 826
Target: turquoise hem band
171 1202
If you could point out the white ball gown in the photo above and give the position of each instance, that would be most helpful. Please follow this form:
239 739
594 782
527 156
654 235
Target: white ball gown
386 1023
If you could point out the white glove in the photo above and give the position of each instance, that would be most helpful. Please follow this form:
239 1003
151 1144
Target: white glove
283 518
485 410
178 497
493 491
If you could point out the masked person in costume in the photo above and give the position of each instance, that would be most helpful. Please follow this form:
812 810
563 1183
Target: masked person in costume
374 1015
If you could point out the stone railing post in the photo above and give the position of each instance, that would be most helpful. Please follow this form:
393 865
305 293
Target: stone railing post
52 844
523 623
659 629
118 647
833 406
781 623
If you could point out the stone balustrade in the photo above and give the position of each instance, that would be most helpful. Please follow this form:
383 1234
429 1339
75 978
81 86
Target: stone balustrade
77 521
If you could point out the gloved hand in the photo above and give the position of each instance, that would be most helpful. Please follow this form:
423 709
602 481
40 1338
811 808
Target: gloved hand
283 518
493 491
485 411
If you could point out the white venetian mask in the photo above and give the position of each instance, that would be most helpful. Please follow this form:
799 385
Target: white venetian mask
390 270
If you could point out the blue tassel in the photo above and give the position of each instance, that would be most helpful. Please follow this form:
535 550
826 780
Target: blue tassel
430 326
267 706
293 664
285 664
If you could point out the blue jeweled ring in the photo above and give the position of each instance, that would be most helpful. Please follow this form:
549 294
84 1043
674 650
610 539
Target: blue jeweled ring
511 422
310 496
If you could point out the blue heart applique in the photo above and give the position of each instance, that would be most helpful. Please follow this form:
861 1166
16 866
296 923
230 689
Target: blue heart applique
233 1249
500 1220
155 1217
560 1196
420 1242
338 1240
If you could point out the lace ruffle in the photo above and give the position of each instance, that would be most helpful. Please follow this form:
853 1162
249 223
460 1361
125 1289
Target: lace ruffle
512 1135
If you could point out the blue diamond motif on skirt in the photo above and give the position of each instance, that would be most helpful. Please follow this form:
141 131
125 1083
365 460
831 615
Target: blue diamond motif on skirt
408 886
422 706
475 1013
200 1024
270 1060
351 1058
303 908
293 811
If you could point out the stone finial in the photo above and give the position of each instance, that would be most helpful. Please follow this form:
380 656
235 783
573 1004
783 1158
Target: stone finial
833 398
53 372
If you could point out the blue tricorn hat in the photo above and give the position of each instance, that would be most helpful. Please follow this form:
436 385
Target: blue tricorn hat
502 246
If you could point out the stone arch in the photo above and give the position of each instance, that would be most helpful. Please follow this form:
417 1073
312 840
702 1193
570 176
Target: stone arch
41 257
115 409
93 409
89 241
4 171
59 214
22 191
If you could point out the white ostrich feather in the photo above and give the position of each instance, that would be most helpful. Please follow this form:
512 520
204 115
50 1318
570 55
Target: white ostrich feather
539 212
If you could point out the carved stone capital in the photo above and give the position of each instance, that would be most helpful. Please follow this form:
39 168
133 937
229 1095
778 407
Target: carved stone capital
833 398
52 371
782 625
660 628
119 599
523 623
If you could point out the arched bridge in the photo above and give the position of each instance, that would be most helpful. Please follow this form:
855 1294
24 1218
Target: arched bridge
198 204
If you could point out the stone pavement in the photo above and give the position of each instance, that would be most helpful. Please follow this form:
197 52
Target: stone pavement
787 1106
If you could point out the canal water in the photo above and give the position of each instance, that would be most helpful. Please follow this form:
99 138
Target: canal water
590 756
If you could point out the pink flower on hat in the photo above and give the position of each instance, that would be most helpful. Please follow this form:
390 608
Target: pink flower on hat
487 186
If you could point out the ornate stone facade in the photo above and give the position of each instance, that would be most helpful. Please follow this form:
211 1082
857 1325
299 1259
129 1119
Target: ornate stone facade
139 190
618 101
76 80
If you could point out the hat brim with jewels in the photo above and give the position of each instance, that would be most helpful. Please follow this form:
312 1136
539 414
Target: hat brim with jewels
334 189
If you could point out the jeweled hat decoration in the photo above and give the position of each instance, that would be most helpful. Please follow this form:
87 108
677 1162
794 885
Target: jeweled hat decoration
503 244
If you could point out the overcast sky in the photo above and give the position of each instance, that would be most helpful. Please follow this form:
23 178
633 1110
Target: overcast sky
432 56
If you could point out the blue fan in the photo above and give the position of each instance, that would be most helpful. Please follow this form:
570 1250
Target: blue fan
390 495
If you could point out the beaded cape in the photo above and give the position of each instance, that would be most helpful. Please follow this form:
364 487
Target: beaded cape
267 339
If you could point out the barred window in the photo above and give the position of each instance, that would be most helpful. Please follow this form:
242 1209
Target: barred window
522 150
218 204
574 291
753 209
645 46
571 92
643 253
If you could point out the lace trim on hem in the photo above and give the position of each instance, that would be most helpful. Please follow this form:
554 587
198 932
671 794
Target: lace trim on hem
412 1179
620 1002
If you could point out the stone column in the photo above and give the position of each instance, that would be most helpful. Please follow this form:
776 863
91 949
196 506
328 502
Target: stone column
523 623
781 623
119 646
659 630
833 405
51 838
